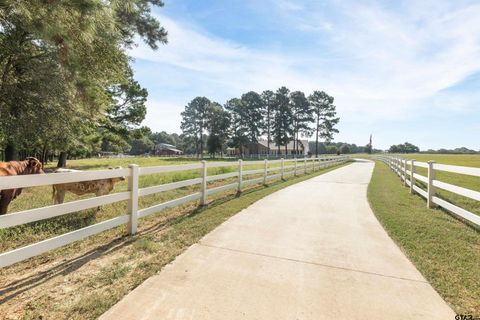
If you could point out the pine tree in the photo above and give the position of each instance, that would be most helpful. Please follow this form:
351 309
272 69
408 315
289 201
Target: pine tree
218 123
325 113
252 116
302 116
238 129
282 119
194 121
268 98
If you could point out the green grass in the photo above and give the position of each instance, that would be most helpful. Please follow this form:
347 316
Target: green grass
445 250
466 160
461 180
74 287
30 198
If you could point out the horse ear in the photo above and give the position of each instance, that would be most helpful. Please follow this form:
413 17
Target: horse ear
33 162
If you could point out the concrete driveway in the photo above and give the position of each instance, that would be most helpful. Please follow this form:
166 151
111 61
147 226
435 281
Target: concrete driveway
313 250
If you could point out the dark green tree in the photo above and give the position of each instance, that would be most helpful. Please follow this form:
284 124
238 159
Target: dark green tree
194 122
282 119
141 146
163 137
345 149
268 98
218 123
325 114
238 129
80 47
406 147
252 116
302 117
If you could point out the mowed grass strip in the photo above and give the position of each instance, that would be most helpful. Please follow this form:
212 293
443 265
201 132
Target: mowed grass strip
84 279
461 180
445 250
466 160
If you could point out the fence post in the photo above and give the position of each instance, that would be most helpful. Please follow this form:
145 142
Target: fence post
265 171
404 163
240 173
431 188
295 169
133 202
412 175
204 183
281 170
305 164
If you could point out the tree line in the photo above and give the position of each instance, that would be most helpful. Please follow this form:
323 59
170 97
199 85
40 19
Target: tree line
281 117
406 147
66 84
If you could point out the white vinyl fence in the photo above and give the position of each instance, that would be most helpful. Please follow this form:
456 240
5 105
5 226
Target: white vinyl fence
405 169
133 172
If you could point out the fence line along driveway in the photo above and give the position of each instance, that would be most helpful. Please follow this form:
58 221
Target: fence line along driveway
130 218
313 250
406 170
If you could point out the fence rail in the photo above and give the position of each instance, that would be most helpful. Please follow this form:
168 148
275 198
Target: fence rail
132 173
405 169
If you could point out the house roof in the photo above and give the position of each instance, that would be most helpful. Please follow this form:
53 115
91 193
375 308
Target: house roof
264 143
166 146
172 149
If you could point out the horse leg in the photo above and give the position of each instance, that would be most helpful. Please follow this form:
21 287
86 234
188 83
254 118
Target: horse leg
17 193
6 196
58 196
99 193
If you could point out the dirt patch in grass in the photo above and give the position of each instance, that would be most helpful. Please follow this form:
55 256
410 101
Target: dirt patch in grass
445 250
84 279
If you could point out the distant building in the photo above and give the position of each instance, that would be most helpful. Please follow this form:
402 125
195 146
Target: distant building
165 149
261 148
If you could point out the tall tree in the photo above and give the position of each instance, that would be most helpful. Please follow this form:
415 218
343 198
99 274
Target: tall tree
194 121
282 119
369 146
80 46
126 112
252 116
238 129
218 123
302 117
163 137
268 98
325 113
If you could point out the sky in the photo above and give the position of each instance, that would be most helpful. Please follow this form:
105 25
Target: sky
399 70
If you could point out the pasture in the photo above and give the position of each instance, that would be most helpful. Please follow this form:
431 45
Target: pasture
444 249
42 196
465 181
83 279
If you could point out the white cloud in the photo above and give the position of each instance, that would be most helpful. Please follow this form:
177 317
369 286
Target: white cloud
382 63
163 116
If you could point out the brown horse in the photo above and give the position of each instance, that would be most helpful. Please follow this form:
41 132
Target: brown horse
13 168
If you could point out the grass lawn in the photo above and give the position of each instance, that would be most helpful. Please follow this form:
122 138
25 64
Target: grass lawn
445 250
466 160
84 279
36 197
461 180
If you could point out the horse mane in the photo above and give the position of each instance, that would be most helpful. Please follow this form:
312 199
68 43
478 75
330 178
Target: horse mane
13 168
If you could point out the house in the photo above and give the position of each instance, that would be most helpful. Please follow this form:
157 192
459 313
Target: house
261 148
165 149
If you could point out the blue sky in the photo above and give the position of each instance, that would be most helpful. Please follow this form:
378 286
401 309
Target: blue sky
401 70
